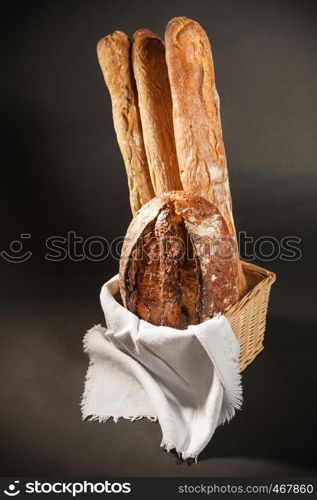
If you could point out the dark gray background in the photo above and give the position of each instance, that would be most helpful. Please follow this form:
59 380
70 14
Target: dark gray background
62 171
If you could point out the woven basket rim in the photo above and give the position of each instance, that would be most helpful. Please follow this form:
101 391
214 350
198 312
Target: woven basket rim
260 270
267 279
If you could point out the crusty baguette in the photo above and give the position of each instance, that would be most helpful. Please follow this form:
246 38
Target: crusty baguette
197 125
196 118
178 266
114 54
155 103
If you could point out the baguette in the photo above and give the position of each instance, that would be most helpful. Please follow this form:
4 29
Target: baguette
155 103
177 265
114 54
196 118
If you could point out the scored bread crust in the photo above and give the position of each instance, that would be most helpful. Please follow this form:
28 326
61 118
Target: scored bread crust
196 118
155 103
178 265
114 54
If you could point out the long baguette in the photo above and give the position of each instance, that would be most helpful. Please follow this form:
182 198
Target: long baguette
114 54
155 103
196 118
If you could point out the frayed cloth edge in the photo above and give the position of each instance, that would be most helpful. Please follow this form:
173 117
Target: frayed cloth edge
184 455
234 397
86 415
115 419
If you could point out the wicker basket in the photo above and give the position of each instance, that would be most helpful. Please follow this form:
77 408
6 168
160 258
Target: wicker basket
248 316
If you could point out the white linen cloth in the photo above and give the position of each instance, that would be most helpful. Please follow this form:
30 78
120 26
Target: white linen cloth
188 380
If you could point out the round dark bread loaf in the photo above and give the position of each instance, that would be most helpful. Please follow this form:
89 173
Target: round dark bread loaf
179 265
